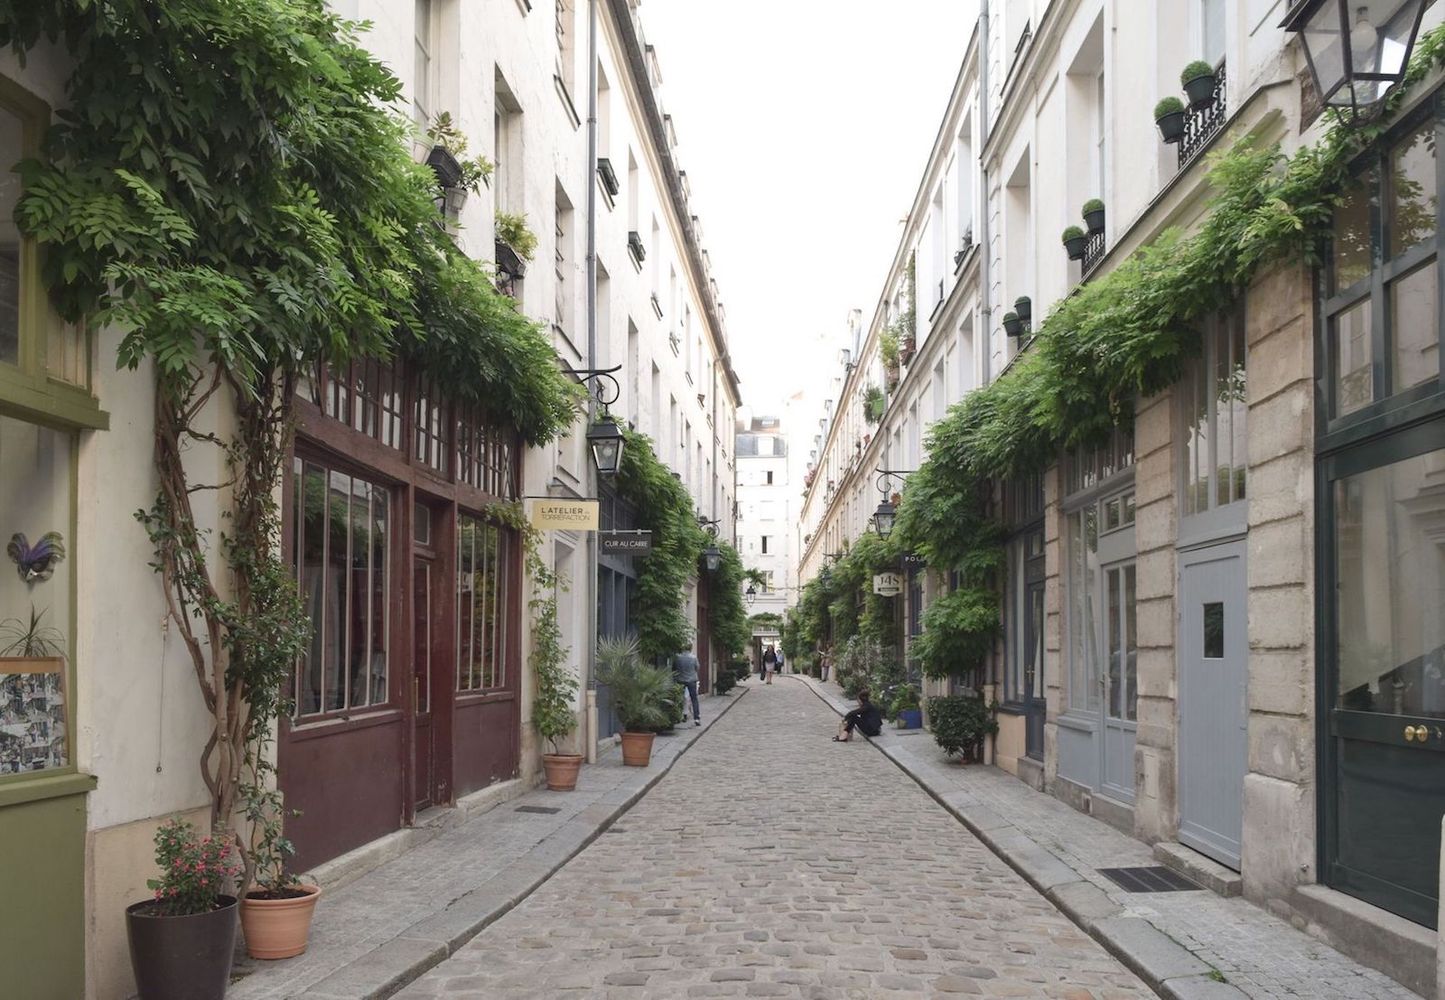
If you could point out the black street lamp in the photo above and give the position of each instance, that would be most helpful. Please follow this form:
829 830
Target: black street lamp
750 595
712 555
1357 49
605 439
883 518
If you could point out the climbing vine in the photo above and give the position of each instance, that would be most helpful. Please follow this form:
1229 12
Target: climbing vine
231 187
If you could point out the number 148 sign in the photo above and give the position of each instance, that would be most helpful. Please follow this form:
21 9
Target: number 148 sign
887 584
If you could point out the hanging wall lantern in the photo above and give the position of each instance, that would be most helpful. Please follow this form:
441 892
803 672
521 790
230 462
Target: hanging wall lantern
1357 49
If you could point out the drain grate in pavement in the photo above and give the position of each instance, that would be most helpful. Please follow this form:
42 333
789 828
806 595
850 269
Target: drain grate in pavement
548 810
1151 879
615 829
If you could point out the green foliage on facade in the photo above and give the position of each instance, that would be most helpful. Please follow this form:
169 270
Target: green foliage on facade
727 615
959 629
874 402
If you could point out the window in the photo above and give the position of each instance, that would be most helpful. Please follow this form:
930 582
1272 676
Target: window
422 82
562 264
566 54
507 148
341 529
767 581
36 679
1382 323
1214 403
483 558
765 545
1024 618
1087 467
1211 31
769 478
432 429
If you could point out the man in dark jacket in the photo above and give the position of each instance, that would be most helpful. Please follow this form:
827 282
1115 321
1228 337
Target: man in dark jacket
865 717
684 671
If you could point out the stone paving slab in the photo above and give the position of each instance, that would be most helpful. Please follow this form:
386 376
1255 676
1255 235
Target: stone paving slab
772 862
377 933
1185 945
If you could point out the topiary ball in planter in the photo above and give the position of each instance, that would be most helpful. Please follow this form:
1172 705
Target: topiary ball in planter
1094 216
1169 116
1024 306
1199 82
1075 242
960 723
1012 325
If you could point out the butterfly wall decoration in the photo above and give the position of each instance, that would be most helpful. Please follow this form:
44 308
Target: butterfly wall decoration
36 563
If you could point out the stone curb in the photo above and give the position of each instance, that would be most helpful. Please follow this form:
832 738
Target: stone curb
395 964
1165 966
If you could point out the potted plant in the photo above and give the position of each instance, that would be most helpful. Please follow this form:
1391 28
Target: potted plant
1075 242
552 709
1094 216
1012 325
904 707
1024 307
1199 82
276 908
1169 116
960 722
516 244
643 696
182 940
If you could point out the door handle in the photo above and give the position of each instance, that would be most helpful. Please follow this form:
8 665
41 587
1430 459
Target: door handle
1412 734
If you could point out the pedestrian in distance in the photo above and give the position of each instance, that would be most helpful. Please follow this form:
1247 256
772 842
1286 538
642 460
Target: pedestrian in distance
824 662
684 671
781 664
865 717
770 664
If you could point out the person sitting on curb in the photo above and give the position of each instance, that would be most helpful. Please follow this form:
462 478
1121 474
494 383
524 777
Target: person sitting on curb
865 717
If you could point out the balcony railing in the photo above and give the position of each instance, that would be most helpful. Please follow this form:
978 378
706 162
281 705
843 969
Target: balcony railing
1093 253
1201 126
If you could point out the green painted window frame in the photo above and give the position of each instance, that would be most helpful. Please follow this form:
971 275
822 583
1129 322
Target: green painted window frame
28 390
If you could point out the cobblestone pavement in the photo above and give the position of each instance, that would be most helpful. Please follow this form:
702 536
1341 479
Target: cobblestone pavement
772 862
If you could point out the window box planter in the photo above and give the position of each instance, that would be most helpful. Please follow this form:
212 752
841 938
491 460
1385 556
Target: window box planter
1199 83
1024 307
1094 216
634 245
448 171
1012 325
608 175
509 261
1076 242
906 350
1169 116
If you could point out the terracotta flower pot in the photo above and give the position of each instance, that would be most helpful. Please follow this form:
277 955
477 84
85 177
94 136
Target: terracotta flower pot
637 748
562 770
278 928
182 958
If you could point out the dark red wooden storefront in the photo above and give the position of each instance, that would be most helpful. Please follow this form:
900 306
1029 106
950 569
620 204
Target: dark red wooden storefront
408 697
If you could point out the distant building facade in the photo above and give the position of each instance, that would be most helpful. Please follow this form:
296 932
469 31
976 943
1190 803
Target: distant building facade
765 514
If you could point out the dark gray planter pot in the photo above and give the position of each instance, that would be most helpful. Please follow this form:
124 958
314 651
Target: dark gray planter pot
1200 91
1094 221
1171 126
182 958
1076 247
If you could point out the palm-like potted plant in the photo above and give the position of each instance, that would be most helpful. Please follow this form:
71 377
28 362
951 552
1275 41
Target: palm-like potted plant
1076 242
552 710
1094 216
643 696
1199 81
276 908
183 940
1169 116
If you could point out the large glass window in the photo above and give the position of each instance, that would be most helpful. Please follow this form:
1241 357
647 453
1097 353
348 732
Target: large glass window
1101 596
1390 592
1216 448
483 558
341 532
35 606
1382 315
1083 603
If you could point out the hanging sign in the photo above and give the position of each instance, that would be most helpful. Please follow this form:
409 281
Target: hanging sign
887 584
911 561
564 515
624 543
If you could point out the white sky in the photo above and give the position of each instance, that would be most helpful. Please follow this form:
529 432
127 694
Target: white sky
804 126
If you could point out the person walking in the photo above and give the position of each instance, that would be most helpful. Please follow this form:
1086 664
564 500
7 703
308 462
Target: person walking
770 664
781 664
865 717
824 662
684 671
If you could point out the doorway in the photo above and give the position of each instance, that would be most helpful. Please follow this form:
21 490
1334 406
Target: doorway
1213 689
423 638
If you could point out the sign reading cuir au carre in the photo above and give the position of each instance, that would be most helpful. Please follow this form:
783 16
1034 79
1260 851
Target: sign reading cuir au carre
624 543
564 515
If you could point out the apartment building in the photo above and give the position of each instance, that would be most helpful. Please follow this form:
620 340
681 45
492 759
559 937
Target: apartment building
1217 626
766 501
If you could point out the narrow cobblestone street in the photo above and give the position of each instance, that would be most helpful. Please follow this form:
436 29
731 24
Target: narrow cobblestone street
772 862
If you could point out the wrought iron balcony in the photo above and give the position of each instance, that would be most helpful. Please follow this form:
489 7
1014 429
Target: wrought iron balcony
1202 125
1093 253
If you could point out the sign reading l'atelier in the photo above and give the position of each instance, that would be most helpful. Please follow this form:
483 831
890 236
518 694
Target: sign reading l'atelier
564 515
624 543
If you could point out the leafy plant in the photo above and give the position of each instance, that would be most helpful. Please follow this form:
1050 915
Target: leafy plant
888 349
1168 106
724 682
766 620
1093 205
30 639
874 403
1193 71
904 698
727 615
512 230
960 723
959 630
553 705
643 696
195 871
476 170
269 848
1073 233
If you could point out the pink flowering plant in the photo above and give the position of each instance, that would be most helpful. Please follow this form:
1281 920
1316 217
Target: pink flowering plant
195 871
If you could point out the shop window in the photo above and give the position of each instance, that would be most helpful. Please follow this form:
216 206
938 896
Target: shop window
1024 619
483 558
1088 467
432 430
36 514
1382 323
1214 404
341 530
